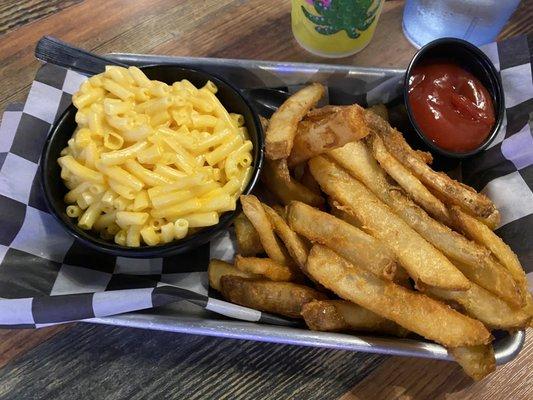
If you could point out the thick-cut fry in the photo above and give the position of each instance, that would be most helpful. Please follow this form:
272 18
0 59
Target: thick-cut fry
296 247
288 191
347 240
342 315
451 190
476 361
248 242
410 183
338 211
315 137
284 122
481 304
265 267
282 169
217 269
424 263
472 260
255 212
483 235
264 122
412 310
492 221
285 298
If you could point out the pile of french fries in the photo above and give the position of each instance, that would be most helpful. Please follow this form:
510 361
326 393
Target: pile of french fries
354 232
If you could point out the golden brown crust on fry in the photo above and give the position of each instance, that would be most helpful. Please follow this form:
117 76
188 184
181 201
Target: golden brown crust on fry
476 361
315 137
283 298
414 188
342 315
412 310
453 191
423 262
254 211
481 304
472 260
288 191
248 242
283 123
265 267
218 268
483 235
296 247
347 240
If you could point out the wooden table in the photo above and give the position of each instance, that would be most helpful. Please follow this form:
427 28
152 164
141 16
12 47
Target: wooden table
86 361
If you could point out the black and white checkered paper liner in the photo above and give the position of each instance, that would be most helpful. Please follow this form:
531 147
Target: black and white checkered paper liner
46 277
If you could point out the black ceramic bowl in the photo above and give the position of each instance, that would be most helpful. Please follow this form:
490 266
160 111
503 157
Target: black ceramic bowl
62 131
478 64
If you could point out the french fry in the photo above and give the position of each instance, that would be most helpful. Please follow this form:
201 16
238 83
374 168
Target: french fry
476 361
340 212
315 137
342 315
481 304
347 240
472 260
492 221
285 298
296 247
248 242
483 235
454 192
265 267
288 191
414 311
408 182
255 212
284 122
424 263
218 268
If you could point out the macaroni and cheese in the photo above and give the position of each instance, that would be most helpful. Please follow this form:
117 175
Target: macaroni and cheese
150 162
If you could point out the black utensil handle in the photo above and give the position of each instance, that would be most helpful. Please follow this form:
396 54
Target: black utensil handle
55 51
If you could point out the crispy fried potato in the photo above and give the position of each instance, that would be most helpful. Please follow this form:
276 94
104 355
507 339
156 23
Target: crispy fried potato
472 260
288 191
217 269
342 315
254 211
492 221
281 169
476 361
481 304
248 242
285 298
315 137
414 311
425 156
296 247
451 190
380 110
344 213
284 122
347 240
265 267
424 263
408 182
483 235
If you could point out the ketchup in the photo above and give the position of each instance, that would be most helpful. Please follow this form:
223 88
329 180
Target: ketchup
450 105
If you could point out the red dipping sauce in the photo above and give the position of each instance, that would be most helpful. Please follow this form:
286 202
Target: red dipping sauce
450 105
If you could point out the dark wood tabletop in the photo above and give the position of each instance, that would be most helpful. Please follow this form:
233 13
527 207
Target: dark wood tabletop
96 362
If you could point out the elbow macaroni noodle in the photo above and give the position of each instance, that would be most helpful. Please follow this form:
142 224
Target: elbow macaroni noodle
149 162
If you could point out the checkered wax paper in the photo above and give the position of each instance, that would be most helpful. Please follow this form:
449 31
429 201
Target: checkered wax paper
47 277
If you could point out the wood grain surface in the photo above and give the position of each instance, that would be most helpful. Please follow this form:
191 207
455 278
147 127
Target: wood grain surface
84 361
